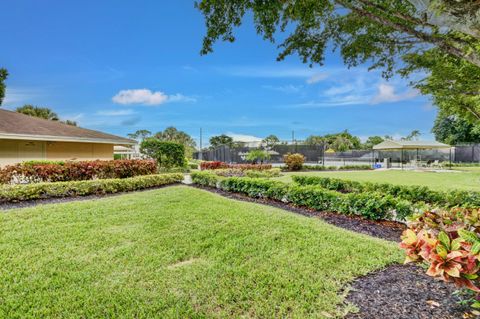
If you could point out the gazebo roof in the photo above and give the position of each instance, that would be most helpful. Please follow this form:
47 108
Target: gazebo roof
409 145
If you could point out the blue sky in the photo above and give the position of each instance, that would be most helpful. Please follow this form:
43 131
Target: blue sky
119 66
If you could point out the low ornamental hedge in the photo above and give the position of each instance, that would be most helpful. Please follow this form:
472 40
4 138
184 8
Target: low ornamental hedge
370 205
448 243
223 165
16 193
29 172
360 167
411 193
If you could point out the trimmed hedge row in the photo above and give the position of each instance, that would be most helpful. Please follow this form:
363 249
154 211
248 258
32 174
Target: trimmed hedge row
370 205
16 193
38 171
223 165
411 193
362 167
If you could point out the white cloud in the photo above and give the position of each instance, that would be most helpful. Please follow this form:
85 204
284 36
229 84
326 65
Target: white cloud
14 96
386 94
147 97
244 137
115 112
317 78
180 98
289 88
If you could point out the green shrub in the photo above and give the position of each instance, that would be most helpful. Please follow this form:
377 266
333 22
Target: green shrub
193 165
411 193
359 167
294 162
167 154
16 193
205 178
370 205
274 172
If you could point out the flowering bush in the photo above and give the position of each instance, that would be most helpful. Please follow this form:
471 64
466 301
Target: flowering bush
449 243
30 172
213 165
223 165
294 162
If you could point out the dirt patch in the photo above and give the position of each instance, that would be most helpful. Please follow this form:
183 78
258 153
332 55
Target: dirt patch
404 292
382 229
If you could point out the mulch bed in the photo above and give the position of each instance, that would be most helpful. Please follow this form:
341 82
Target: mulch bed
396 292
383 229
35 202
404 292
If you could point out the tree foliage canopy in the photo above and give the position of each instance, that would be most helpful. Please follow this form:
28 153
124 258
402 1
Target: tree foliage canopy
270 141
36 111
339 142
441 37
43 113
167 154
257 155
140 134
216 141
453 130
171 134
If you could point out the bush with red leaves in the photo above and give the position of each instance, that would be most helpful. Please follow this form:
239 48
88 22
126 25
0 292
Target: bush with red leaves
75 171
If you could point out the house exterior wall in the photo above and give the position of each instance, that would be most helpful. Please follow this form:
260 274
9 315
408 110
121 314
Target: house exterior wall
17 151
79 151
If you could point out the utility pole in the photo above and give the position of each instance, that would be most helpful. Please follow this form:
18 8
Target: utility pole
200 155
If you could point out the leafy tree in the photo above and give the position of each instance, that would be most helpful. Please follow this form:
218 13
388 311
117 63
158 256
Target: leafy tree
453 83
270 141
41 112
216 141
439 38
171 134
338 142
257 155
315 140
140 134
3 78
453 130
364 30
372 141
167 154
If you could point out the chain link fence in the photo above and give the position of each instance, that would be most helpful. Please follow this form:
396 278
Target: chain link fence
316 154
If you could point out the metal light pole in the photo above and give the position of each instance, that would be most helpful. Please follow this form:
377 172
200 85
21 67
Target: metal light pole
200 155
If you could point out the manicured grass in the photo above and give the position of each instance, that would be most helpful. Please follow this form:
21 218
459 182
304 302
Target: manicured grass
177 252
460 178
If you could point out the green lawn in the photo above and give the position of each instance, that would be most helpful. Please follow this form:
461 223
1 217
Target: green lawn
461 178
177 252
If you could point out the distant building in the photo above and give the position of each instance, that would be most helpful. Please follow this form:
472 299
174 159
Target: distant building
24 138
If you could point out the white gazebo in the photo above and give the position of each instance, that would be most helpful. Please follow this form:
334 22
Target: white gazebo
390 145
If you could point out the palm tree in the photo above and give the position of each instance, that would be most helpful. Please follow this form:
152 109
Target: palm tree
41 112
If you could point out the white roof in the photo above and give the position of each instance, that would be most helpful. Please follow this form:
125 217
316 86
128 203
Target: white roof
409 145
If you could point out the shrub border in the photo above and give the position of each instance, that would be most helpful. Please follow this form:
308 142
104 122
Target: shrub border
370 205
18 193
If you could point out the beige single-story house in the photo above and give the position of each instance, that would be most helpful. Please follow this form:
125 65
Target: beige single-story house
24 138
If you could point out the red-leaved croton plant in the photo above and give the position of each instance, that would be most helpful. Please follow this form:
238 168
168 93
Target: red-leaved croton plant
449 242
